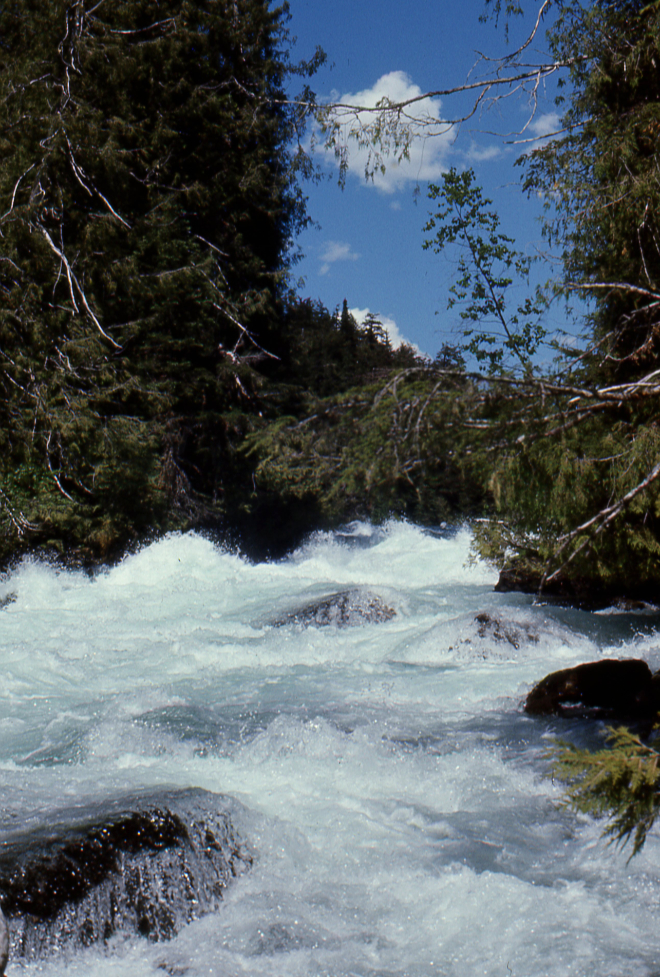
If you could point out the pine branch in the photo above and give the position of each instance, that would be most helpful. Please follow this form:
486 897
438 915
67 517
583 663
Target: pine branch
620 783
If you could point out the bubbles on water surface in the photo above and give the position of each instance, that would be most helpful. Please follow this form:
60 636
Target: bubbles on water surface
394 789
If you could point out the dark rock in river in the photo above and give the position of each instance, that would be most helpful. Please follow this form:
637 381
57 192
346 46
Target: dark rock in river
621 689
498 630
589 593
147 866
343 610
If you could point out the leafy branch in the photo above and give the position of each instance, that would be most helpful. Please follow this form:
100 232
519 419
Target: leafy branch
389 127
485 267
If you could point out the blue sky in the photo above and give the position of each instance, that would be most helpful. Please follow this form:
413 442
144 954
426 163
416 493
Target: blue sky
368 249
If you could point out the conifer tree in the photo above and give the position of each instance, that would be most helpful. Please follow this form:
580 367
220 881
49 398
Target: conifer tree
600 178
619 783
148 204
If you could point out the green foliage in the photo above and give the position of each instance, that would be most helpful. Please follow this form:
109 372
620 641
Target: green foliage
484 276
620 783
325 353
392 447
546 487
599 179
149 200
573 457
496 8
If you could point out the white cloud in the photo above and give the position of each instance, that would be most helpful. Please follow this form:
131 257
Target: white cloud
483 154
389 325
427 153
336 251
542 127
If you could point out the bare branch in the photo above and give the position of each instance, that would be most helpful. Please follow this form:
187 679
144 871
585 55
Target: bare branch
243 333
597 524
74 281
623 286
79 173
20 522
50 469
13 196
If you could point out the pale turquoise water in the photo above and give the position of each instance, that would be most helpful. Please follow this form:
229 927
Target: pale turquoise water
392 787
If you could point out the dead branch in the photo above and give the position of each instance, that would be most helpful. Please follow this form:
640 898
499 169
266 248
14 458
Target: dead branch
73 281
244 333
50 469
596 525
13 196
79 173
20 522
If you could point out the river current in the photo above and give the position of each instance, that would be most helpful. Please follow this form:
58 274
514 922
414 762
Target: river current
390 786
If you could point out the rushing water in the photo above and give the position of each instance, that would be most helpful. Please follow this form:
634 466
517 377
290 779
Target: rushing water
389 784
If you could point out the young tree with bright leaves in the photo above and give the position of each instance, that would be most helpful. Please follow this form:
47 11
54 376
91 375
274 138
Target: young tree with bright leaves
486 263
149 202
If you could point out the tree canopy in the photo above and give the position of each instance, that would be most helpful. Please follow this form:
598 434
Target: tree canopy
149 205
149 164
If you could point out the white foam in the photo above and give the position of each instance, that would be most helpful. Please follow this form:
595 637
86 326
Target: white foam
394 788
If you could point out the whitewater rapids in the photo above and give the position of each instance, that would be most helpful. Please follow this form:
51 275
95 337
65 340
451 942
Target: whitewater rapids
387 780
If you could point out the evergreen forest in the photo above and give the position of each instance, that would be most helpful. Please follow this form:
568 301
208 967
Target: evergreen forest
160 371
151 178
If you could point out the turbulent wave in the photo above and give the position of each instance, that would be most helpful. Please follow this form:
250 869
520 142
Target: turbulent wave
390 787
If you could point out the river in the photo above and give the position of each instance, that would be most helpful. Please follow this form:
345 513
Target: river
390 786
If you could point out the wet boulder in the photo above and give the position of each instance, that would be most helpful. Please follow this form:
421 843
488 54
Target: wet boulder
619 689
503 631
526 575
145 866
345 609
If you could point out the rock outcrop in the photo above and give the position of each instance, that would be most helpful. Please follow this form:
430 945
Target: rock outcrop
619 689
146 866
346 609
525 576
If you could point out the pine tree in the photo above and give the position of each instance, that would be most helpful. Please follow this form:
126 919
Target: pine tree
149 201
600 178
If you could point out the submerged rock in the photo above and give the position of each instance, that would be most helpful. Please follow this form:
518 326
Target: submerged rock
498 630
147 866
343 610
622 689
